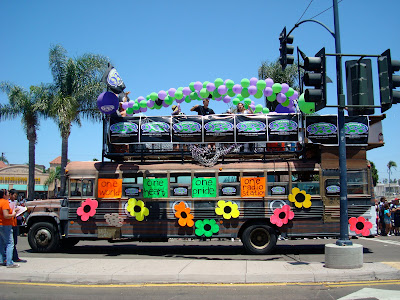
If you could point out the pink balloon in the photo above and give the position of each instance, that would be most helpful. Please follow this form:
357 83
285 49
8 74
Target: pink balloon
253 81
210 87
198 85
237 88
269 82
171 92
285 88
268 91
222 89
227 99
252 90
281 98
186 91
294 96
162 94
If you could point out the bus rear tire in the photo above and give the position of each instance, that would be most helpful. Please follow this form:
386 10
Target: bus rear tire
68 243
259 239
43 237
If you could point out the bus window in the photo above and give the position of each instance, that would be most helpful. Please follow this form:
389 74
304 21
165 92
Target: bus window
180 184
76 187
132 185
132 178
278 184
229 184
332 187
306 181
87 187
357 182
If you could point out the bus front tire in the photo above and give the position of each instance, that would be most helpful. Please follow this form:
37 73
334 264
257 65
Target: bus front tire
259 239
43 237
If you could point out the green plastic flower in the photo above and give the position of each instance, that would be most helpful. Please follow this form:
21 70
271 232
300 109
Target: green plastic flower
137 209
227 209
206 227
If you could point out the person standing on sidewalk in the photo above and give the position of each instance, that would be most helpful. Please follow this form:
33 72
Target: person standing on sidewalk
6 236
13 195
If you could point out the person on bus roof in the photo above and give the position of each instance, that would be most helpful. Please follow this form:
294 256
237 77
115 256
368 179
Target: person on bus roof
203 110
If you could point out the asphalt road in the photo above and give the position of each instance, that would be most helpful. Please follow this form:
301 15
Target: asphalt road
309 250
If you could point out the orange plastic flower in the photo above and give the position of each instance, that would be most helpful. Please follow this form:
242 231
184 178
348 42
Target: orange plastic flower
184 215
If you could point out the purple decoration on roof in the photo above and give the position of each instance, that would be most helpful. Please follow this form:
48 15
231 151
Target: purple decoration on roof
107 102
253 81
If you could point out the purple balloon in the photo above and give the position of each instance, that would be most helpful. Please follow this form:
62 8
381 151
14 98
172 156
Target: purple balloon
198 85
281 97
143 109
252 90
125 105
137 111
107 103
267 91
171 92
218 99
252 106
162 94
210 87
180 100
222 89
291 104
252 102
186 91
130 103
150 103
269 82
294 96
281 109
237 88
285 88
165 104
140 98
227 99
253 81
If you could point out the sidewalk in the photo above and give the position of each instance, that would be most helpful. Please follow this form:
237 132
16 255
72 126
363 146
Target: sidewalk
123 271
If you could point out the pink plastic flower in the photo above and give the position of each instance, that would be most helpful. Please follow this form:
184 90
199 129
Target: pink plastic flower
360 225
282 216
87 209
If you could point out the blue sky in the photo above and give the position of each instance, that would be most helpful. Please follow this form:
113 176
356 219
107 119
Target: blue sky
157 45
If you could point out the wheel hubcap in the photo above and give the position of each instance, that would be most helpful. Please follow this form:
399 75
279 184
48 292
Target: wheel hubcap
260 238
43 237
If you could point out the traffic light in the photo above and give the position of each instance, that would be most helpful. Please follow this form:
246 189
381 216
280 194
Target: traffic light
359 85
387 81
315 75
286 50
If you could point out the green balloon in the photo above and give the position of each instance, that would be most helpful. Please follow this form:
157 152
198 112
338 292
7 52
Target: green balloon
235 101
229 84
187 99
153 96
218 82
276 88
272 98
143 103
216 95
259 94
168 100
290 92
261 84
259 108
240 97
286 103
245 93
205 84
247 101
265 110
178 95
179 89
148 97
231 93
245 82
193 96
158 106
204 93
191 86
246 106
129 110
135 106
306 107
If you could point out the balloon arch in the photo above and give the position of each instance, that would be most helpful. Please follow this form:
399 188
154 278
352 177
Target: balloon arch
219 90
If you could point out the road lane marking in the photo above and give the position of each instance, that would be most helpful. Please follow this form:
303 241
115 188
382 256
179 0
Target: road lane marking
381 241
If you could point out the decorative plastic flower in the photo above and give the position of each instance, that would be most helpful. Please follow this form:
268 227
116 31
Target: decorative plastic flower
184 215
206 227
137 209
300 198
114 219
87 209
360 225
227 209
282 216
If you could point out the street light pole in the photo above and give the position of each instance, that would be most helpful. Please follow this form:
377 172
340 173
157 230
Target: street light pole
344 231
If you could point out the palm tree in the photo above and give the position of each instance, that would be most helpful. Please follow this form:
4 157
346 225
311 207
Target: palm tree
54 176
391 164
3 158
77 83
30 105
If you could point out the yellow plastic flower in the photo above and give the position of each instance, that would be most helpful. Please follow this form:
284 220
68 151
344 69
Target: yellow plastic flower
227 209
300 198
137 209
